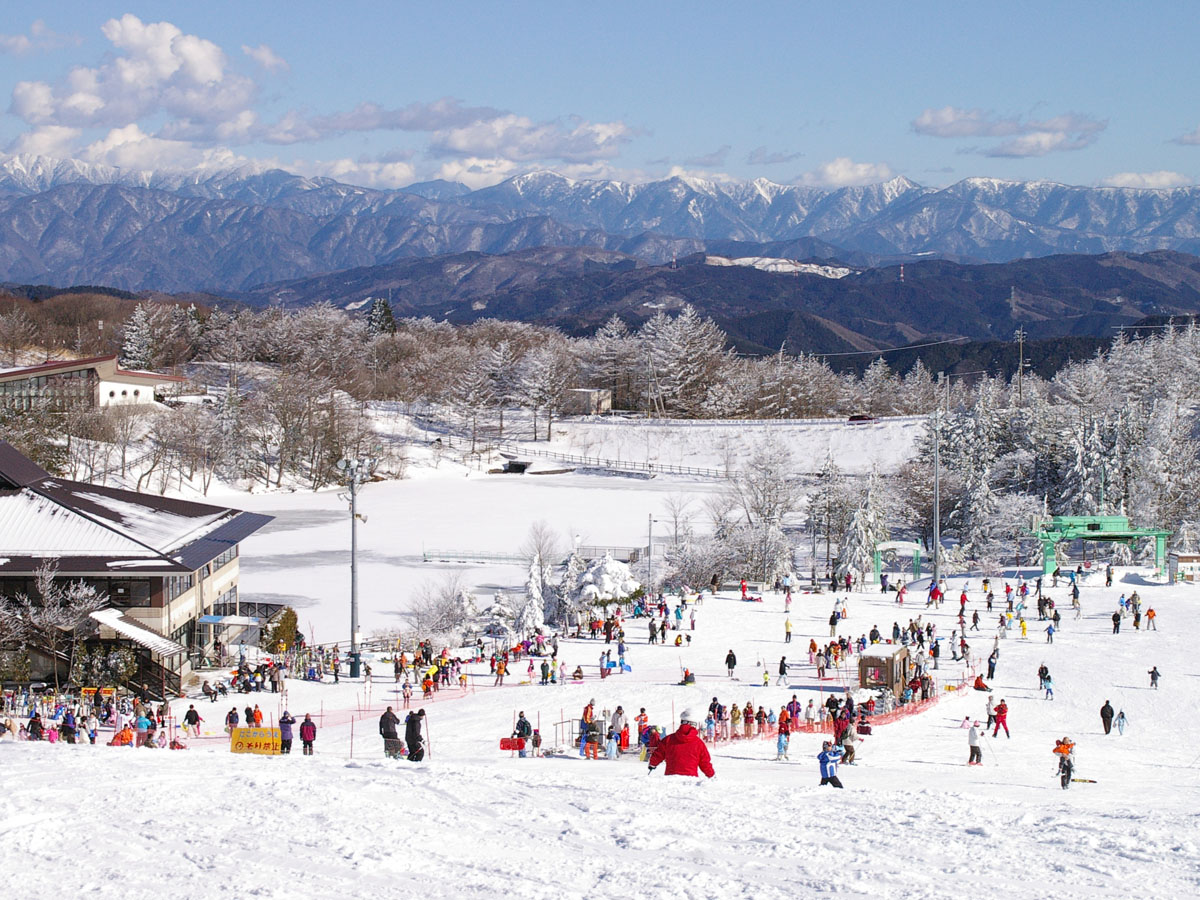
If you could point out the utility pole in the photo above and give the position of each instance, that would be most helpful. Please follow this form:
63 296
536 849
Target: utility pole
1020 336
355 470
937 488
650 551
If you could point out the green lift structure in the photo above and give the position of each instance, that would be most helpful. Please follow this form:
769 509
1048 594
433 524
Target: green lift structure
1112 529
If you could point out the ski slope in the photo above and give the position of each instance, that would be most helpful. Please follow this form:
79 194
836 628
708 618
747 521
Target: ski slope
913 821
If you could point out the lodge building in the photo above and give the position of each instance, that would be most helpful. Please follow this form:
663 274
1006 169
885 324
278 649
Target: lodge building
169 567
97 381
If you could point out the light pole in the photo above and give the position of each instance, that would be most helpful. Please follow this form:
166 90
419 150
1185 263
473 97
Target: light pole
650 520
355 471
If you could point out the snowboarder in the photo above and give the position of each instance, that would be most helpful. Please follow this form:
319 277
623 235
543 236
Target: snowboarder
1106 716
683 751
828 758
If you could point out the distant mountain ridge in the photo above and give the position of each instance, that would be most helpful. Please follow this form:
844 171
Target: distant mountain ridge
812 310
65 221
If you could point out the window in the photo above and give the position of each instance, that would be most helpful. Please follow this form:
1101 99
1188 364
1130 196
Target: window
175 585
126 593
225 558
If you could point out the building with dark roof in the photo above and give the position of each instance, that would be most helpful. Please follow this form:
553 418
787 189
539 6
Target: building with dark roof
97 381
169 567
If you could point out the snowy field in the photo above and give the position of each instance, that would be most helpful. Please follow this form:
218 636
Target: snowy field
914 821
885 443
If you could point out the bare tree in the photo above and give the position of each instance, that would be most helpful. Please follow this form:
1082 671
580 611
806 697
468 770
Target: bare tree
52 622
677 506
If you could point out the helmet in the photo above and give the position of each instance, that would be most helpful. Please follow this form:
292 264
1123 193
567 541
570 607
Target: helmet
825 745
687 717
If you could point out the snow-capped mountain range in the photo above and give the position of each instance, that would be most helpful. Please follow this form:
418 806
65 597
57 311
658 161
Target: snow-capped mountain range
67 222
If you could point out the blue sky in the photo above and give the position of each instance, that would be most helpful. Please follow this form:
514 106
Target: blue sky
386 94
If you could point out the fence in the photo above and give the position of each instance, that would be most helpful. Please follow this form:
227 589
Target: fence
615 464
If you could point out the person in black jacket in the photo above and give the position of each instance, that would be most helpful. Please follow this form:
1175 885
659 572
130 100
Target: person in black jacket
1106 716
730 662
524 731
414 737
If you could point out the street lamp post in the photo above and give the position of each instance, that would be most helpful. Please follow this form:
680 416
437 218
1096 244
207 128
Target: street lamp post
355 471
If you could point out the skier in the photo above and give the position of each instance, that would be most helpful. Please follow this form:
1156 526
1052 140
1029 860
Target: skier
683 751
308 734
976 755
730 662
1154 675
828 757
1050 633
286 721
413 736
1106 716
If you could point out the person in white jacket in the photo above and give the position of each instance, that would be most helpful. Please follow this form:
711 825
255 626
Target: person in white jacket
976 757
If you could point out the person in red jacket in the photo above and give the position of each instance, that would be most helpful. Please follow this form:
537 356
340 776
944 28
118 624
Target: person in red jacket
1001 719
683 751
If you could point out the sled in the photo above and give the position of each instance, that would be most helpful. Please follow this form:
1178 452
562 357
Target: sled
626 668
511 743
393 748
1085 780
610 665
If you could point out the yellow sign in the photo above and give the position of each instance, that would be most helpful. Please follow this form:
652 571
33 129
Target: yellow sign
255 740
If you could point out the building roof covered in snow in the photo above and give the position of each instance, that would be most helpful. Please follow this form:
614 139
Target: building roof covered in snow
93 529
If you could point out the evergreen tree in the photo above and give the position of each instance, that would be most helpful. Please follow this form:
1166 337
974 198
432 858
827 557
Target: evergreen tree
380 319
137 347
867 528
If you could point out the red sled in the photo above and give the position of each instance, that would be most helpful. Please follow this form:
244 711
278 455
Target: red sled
512 743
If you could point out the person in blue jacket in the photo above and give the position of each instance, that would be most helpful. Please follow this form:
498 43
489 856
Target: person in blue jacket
829 757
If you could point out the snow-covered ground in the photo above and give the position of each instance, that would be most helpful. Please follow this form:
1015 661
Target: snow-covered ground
724 445
913 821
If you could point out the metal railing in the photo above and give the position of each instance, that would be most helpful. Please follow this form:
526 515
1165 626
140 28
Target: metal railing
614 464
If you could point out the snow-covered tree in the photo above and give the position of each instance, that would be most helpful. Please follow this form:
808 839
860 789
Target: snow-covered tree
137 346
602 581
868 527
380 319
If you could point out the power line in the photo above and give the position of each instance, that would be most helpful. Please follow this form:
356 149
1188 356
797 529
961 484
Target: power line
957 340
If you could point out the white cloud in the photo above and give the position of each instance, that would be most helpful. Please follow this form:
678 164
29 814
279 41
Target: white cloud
157 69
58 141
266 57
518 138
131 148
844 172
40 38
1158 180
366 173
475 172
1026 137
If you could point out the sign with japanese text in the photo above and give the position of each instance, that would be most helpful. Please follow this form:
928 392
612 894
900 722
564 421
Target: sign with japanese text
255 740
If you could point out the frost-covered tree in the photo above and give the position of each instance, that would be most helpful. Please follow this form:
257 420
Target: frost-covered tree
601 582
58 615
137 345
685 353
380 319
867 528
